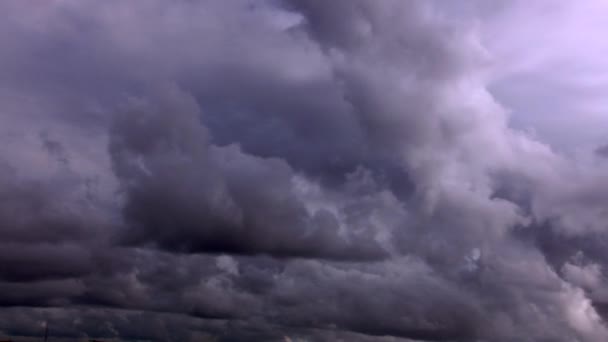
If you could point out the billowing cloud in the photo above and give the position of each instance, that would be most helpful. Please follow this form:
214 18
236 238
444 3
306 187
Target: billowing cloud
286 170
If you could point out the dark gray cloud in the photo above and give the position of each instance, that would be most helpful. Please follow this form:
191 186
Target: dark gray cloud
286 170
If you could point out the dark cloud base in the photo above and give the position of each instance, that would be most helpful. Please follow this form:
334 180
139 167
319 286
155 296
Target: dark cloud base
293 170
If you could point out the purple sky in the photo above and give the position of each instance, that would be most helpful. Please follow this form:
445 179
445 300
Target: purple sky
304 170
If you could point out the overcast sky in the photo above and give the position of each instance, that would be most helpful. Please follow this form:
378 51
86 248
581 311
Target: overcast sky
304 170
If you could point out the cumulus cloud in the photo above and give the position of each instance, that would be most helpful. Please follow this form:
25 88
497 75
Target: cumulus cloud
276 170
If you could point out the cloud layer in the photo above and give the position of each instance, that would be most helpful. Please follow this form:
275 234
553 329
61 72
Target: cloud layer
282 170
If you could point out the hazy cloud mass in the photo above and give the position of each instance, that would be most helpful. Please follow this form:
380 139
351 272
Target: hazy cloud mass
304 170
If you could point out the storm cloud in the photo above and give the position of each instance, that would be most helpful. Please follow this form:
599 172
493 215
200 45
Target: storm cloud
295 170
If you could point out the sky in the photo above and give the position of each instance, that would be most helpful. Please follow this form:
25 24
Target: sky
304 170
